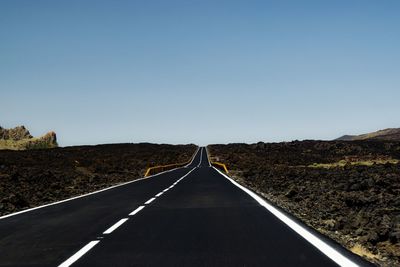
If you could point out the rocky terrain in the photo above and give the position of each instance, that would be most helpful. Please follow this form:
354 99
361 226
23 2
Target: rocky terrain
35 177
349 191
392 134
19 138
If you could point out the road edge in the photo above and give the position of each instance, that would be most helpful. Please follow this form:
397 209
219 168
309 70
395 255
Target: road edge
90 193
302 230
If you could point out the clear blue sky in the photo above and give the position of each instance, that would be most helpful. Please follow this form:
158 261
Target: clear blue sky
199 71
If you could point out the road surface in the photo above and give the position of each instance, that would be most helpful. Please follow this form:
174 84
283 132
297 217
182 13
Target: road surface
191 216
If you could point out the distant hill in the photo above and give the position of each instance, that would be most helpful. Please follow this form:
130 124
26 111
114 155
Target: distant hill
19 138
392 134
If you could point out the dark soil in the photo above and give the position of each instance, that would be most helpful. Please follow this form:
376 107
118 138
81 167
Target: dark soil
35 177
358 206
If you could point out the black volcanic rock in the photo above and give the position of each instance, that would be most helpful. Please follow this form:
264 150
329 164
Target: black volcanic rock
34 177
356 202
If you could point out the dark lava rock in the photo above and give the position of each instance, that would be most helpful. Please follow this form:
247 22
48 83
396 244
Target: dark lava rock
291 193
372 237
35 177
351 202
394 235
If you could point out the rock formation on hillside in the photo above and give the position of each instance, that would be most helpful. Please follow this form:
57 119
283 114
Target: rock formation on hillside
16 134
19 138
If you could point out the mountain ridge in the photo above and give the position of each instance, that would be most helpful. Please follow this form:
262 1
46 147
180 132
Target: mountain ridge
392 134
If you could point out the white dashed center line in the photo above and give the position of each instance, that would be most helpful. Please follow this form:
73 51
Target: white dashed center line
91 244
115 226
79 254
136 211
149 201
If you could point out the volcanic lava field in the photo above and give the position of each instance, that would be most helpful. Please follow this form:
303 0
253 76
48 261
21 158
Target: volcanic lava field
349 191
35 177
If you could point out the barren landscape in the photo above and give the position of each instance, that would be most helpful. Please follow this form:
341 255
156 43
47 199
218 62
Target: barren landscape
35 177
200 133
348 190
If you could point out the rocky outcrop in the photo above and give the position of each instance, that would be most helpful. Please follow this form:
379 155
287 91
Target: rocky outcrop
19 138
48 140
15 134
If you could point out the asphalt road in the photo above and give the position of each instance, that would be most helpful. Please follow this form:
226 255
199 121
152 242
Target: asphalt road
191 216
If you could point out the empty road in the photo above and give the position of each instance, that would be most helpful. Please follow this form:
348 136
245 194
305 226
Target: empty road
191 216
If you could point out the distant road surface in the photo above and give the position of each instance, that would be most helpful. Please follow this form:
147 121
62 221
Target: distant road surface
191 216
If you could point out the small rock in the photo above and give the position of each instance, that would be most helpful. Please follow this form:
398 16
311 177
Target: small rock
355 187
394 235
291 193
359 220
359 231
372 237
370 182
330 224
384 228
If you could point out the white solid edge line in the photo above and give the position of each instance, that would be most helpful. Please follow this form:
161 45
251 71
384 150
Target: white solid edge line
159 194
208 159
115 226
79 254
136 210
165 190
150 200
195 153
84 195
326 249
69 199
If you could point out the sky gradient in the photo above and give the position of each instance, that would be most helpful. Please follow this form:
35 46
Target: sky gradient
199 71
